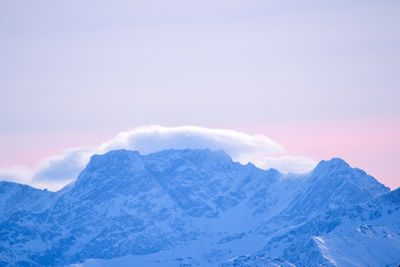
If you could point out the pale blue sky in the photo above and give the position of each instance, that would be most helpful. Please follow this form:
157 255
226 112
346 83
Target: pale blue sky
72 65
69 68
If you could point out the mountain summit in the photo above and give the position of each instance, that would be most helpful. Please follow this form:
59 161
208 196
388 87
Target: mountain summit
199 208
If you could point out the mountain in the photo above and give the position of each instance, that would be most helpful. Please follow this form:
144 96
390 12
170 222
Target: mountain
199 208
15 197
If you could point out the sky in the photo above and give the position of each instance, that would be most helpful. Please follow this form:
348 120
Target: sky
319 78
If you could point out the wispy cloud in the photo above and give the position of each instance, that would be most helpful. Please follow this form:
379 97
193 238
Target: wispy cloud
57 171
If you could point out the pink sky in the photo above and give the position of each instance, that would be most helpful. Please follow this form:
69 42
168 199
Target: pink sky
372 146
321 78
28 150
369 145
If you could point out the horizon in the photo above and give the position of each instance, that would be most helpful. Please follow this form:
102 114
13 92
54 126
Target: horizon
146 140
320 79
287 174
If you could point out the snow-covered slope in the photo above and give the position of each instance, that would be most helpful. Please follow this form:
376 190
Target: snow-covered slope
15 197
199 208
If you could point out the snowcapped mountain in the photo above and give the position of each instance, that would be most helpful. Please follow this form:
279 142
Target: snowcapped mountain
199 208
16 197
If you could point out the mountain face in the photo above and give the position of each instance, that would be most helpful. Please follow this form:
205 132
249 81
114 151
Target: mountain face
199 208
15 197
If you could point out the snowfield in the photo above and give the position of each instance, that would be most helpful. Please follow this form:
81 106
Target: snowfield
199 208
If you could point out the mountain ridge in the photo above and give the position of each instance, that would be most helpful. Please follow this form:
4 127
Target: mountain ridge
124 203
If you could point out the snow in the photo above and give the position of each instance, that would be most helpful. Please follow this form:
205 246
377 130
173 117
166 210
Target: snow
199 208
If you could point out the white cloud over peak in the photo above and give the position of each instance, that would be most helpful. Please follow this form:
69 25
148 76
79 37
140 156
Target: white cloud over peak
148 139
57 171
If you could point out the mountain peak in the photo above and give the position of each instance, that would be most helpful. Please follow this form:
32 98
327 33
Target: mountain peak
332 164
111 164
119 153
113 157
194 156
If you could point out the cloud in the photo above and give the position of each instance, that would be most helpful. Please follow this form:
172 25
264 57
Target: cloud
57 171
149 139
18 174
286 164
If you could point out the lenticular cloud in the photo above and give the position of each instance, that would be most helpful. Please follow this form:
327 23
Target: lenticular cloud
57 171
150 139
